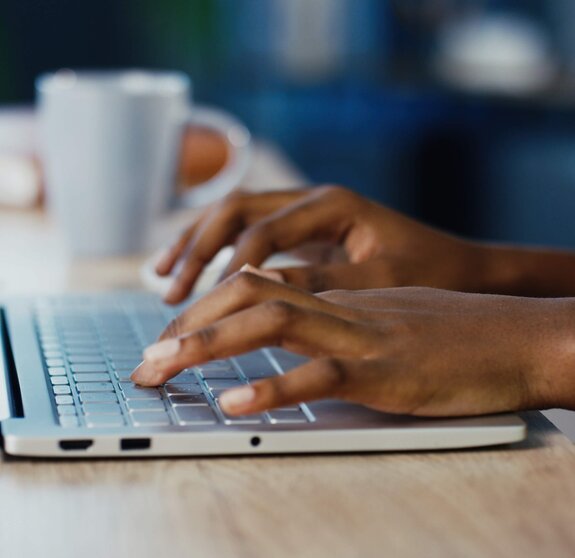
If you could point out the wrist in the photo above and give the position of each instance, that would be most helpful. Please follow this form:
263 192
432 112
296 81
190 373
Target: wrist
553 374
524 271
482 269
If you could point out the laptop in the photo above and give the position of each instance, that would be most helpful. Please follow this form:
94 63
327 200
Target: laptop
65 391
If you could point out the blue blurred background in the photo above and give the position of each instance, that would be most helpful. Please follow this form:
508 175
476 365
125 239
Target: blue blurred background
459 112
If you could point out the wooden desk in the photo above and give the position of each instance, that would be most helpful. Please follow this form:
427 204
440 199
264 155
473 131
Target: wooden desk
496 502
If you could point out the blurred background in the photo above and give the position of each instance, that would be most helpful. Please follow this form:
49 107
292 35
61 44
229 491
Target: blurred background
459 112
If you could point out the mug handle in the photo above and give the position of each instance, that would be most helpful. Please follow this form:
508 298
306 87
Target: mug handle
238 139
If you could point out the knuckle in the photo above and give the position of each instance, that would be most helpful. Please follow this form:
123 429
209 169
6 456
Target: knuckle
281 311
335 295
316 282
175 328
276 392
231 203
245 283
206 337
337 375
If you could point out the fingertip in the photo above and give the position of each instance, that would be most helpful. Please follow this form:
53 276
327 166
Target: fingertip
165 263
145 375
162 271
176 293
238 401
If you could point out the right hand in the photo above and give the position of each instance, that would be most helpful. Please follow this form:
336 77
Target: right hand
384 248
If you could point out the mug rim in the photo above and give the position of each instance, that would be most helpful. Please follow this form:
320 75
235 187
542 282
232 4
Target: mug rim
131 81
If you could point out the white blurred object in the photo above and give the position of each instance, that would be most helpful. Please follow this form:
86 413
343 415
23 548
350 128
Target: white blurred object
496 54
20 180
211 273
310 37
18 131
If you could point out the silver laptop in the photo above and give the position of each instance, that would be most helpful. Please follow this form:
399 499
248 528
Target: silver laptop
65 391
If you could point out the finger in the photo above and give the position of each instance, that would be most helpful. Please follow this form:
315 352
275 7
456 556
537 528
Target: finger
242 291
220 228
273 323
174 252
319 379
271 274
321 216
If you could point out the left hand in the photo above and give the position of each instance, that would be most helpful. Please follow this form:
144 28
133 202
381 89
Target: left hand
415 351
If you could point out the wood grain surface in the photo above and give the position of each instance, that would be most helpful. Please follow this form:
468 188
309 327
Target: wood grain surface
493 502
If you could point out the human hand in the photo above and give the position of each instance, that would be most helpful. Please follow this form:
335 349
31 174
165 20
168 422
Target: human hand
384 248
417 351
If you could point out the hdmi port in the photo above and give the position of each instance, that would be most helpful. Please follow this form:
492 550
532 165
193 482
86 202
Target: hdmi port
69 445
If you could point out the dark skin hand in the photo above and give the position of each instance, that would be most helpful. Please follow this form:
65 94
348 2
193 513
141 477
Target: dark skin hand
418 351
383 248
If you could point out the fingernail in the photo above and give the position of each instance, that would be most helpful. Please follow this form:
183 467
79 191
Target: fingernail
266 273
236 399
173 292
162 350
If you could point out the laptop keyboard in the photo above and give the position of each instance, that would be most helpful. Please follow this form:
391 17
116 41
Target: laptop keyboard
91 346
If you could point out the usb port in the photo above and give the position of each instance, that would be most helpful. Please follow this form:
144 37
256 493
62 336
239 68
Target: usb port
135 443
70 445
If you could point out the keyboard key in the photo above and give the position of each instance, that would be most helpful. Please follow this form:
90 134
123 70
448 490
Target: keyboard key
224 384
64 400
255 365
195 415
88 368
103 421
255 419
101 409
123 356
96 377
218 373
153 418
132 391
287 360
95 386
86 359
98 397
54 362
52 354
188 399
184 378
145 405
58 371
216 365
68 421
58 380
287 417
61 390
66 410
123 375
174 389
82 347
125 364
90 351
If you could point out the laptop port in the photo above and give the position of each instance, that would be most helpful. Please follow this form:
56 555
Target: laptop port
135 443
70 445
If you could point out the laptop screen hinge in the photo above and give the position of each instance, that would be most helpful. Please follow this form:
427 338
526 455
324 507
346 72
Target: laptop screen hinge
10 395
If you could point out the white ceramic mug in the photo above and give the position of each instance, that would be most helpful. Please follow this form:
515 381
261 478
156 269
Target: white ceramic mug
110 143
